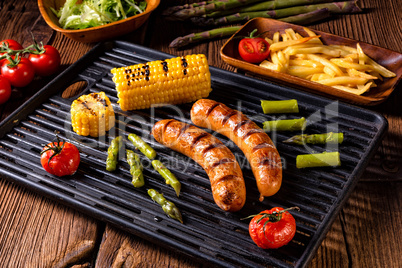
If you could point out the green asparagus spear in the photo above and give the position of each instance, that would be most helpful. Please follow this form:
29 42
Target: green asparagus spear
336 7
170 10
135 168
309 17
285 125
302 19
264 6
330 137
280 106
318 160
187 13
169 177
113 153
141 145
207 35
168 207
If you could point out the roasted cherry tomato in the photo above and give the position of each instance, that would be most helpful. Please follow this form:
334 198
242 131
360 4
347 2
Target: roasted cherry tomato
19 71
5 90
60 158
253 49
46 60
272 228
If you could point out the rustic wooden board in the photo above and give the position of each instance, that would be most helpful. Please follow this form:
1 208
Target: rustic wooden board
36 232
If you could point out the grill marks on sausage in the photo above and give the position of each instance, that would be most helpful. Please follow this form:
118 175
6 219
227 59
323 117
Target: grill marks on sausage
210 147
228 197
222 161
211 109
240 124
167 124
228 116
198 138
250 133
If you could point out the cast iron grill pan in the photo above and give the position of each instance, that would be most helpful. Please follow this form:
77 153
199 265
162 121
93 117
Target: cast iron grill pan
208 233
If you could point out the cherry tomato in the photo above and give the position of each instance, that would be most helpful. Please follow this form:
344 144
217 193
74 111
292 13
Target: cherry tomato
272 228
253 49
5 90
21 74
45 62
11 44
60 158
7 44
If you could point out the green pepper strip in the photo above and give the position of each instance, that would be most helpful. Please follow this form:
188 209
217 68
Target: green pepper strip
285 125
318 160
280 106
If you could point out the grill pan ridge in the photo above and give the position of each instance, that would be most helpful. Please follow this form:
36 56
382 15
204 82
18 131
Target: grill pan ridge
208 233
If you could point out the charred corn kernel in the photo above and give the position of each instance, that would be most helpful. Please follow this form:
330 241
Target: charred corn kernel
171 81
92 115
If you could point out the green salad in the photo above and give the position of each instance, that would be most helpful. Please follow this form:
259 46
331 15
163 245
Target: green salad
91 13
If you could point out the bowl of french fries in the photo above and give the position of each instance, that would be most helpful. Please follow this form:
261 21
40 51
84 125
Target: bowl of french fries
320 62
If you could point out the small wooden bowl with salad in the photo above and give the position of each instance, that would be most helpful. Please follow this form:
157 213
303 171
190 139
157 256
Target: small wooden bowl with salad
80 19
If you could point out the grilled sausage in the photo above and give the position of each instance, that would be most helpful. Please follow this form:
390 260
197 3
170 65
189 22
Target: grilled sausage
225 175
256 145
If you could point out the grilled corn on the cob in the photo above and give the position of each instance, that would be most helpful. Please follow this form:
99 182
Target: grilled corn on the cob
171 81
92 115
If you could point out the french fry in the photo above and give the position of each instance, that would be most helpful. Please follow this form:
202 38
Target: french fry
343 80
325 62
356 73
276 37
282 45
343 67
282 59
328 71
319 49
357 91
350 65
291 34
377 67
302 71
311 33
270 41
269 65
301 62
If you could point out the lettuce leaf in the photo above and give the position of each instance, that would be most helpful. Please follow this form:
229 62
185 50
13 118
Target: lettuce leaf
91 13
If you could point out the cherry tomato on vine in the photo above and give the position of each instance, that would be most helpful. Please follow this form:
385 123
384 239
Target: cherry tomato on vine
46 60
253 49
11 44
272 228
60 158
7 45
5 90
19 72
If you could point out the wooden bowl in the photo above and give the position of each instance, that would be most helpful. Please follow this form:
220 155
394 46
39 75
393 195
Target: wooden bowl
99 33
390 59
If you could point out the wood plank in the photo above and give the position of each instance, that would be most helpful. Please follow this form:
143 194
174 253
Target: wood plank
119 249
367 229
35 231
38 232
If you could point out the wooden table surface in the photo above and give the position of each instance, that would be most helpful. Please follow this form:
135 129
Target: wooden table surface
38 232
